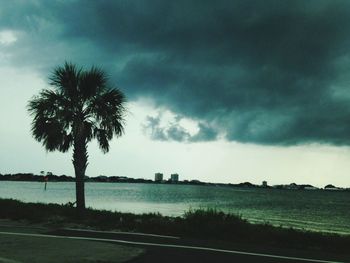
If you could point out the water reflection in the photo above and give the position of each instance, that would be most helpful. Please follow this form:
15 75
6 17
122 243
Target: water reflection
316 210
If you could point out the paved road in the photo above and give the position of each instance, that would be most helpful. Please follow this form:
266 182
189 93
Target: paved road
173 249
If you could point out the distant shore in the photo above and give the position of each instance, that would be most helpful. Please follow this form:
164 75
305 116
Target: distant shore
30 177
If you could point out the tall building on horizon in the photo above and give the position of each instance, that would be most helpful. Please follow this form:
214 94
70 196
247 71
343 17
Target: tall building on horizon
158 177
174 178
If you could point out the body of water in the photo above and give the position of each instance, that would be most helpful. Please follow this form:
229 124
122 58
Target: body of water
317 210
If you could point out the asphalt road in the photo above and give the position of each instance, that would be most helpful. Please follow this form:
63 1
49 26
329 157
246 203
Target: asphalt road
173 249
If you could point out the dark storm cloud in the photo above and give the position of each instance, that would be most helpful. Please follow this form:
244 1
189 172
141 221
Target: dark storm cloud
266 72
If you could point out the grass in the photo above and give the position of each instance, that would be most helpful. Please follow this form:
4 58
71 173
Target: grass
202 223
17 249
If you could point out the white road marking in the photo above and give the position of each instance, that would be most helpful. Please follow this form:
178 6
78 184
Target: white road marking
173 246
123 233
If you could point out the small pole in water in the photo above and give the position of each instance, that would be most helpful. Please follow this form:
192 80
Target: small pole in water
45 180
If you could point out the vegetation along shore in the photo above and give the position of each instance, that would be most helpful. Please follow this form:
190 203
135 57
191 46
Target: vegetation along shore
208 224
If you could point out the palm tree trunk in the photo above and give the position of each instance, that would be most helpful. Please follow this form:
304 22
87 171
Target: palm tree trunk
80 157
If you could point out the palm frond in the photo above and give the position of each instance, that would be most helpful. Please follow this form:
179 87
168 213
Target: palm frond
66 79
51 103
51 120
92 82
103 137
51 134
108 111
108 105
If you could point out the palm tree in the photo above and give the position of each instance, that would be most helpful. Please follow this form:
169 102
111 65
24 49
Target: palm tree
81 106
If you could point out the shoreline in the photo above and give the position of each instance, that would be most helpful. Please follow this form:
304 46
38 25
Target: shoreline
30 177
206 224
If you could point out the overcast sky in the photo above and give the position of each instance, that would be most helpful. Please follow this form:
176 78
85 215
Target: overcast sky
220 91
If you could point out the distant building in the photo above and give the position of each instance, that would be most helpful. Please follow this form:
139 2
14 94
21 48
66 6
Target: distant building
264 184
158 177
174 178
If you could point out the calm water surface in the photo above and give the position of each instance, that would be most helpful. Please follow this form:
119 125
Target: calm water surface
318 210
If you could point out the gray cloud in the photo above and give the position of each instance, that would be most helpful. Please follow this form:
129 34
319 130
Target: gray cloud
174 131
266 72
205 133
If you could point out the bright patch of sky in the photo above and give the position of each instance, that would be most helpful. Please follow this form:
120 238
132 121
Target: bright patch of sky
168 118
7 37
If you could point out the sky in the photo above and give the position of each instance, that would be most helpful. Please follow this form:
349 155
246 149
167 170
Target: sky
218 91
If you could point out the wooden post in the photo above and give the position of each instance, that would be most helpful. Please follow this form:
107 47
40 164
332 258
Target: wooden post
45 180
